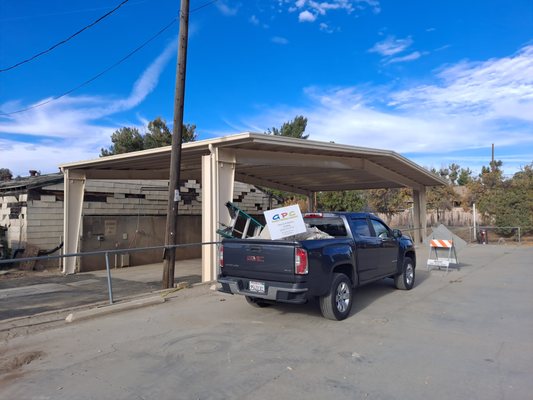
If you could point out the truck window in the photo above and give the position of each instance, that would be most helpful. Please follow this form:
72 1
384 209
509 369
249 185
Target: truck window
333 226
360 227
381 230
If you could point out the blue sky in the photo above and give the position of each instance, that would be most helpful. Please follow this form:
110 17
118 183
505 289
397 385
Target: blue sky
438 82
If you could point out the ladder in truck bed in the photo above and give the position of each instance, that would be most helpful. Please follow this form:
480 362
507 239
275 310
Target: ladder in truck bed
237 216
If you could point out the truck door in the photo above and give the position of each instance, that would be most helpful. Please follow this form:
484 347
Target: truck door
368 248
388 254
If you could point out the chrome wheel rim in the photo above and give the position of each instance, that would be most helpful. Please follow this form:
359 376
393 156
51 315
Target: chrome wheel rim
409 274
342 298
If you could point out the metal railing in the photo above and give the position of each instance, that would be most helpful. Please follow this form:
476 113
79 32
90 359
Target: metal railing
106 253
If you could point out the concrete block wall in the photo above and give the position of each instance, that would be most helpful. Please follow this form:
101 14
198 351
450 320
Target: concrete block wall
16 227
45 222
40 222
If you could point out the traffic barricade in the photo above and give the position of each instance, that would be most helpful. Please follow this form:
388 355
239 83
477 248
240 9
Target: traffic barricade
442 253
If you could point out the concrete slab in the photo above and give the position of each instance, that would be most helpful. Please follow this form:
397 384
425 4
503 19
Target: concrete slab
44 288
109 309
32 293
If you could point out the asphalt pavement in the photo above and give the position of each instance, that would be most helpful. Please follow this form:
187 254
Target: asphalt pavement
462 334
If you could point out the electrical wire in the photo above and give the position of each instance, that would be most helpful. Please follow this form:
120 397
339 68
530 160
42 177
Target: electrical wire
117 63
64 40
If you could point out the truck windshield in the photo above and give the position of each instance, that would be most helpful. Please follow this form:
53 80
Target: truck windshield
333 226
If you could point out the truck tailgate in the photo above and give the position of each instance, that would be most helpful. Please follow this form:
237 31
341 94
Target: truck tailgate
259 259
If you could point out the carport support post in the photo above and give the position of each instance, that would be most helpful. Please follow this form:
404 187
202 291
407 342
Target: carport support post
311 196
419 214
74 187
218 178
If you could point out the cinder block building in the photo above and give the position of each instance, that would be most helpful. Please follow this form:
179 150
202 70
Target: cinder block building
120 214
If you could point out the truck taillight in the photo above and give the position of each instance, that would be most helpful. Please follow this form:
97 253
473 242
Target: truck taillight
313 215
221 256
301 266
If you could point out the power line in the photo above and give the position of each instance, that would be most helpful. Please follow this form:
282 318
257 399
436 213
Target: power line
64 40
95 77
117 63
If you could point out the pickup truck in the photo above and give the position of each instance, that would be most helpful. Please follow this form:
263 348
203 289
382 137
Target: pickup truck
360 249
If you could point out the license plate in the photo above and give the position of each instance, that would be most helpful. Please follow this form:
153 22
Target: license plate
258 287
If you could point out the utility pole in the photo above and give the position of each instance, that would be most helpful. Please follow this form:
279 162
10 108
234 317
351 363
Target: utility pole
175 155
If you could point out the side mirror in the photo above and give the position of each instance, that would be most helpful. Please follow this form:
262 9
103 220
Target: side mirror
397 233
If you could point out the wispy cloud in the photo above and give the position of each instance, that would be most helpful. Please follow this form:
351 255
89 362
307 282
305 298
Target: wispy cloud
225 9
492 90
326 28
254 20
469 106
415 55
280 40
72 122
391 46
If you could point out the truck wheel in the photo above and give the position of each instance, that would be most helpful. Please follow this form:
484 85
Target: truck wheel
406 279
337 304
255 302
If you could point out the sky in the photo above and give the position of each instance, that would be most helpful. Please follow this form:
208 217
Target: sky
437 81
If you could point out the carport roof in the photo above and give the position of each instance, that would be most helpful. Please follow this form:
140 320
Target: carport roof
277 162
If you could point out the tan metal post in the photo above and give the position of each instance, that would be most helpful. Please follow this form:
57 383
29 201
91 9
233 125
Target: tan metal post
74 187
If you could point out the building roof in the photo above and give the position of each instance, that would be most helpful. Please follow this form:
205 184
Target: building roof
277 162
22 185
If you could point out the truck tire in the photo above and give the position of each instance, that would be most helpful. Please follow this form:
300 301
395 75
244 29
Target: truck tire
406 279
337 304
255 302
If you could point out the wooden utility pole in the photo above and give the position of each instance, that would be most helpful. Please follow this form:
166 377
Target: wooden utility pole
175 156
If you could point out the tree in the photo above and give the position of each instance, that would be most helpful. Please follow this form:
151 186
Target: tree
294 128
388 201
125 140
465 176
492 176
453 173
441 198
347 200
158 134
5 174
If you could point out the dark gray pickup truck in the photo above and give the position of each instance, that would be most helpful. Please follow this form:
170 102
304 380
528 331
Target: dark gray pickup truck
362 249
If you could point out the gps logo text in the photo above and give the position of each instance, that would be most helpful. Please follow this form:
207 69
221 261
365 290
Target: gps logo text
284 215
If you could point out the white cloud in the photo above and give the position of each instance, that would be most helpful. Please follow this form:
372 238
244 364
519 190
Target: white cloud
306 16
391 46
20 157
254 20
489 90
226 9
280 40
326 28
472 105
415 55
310 10
68 128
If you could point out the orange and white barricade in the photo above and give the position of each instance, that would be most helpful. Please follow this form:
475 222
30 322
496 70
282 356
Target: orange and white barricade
441 254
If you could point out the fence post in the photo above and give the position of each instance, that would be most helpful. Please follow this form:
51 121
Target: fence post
109 285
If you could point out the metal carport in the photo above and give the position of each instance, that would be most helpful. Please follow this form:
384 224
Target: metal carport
295 165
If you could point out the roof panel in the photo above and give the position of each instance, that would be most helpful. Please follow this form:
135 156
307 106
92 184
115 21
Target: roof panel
304 164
